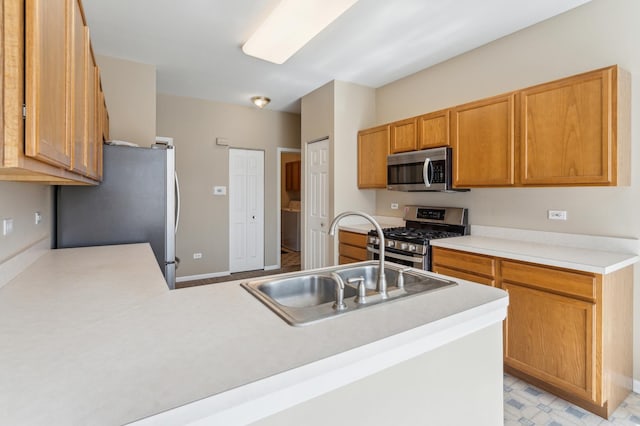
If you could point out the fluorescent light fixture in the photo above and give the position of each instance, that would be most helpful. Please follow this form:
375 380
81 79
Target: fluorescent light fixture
260 101
291 25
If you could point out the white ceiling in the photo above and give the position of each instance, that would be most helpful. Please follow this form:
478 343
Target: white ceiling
196 44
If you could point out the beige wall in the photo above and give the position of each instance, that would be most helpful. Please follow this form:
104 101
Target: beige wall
316 122
201 164
598 34
20 201
338 110
130 93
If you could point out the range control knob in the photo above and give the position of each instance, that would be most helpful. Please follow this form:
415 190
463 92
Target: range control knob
404 246
391 243
412 247
372 240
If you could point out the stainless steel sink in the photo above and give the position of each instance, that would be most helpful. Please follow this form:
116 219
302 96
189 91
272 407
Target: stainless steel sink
306 297
302 291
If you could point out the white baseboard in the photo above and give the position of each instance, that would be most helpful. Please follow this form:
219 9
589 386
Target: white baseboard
216 274
11 267
636 386
202 276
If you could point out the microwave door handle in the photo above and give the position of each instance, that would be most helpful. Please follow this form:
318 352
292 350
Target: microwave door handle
425 172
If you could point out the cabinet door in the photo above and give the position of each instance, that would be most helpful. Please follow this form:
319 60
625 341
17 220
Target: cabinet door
92 115
403 135
551 337
433 130
373 148
77 108
46 92
467 266
566 136
483 142
292 175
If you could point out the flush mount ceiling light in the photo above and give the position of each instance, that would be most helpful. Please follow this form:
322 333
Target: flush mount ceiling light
291 25
260 101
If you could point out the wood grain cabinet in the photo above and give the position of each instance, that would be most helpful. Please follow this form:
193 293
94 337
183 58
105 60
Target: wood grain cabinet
403 135
483 142
566 331
467 266
48 105
373 148
433 129
353 247
570 130
292 175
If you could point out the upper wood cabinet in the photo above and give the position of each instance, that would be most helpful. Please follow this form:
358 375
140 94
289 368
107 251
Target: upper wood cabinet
292 175
403 135
483 142
373 148
433 129
45 51
47 87
569 131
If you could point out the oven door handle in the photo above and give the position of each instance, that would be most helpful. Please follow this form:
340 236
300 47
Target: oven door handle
396 255
425 173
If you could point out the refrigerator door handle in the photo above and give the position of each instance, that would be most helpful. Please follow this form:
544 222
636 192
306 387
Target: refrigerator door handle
177 202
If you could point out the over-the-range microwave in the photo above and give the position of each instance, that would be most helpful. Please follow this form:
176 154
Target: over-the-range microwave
421 171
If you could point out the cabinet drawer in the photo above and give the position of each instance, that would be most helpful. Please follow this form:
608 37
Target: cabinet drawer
464 275
352 238
344 260
353 252
453 259
562 281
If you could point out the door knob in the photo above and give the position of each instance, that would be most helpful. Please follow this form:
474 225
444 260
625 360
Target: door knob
253 217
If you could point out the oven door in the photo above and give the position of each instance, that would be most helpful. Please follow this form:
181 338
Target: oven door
395 256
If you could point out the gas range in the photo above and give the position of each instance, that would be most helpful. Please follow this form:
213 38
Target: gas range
409 245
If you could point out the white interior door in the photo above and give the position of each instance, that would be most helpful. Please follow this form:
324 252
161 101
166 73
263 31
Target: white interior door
317 159
246 210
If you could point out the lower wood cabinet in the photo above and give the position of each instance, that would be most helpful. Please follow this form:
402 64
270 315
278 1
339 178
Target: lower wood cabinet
353 247
567 331
467 266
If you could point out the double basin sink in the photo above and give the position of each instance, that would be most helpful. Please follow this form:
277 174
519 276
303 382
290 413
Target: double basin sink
306 297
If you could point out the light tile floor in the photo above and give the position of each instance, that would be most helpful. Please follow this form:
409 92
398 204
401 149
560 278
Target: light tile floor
524 404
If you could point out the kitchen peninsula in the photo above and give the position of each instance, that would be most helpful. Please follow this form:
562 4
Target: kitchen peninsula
93 336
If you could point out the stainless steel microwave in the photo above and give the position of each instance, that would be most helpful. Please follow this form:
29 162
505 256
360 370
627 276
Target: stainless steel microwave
421 171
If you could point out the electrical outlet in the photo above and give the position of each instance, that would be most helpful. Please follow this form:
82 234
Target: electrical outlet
38 218
197 255
394 206
219 190
7 226
557 214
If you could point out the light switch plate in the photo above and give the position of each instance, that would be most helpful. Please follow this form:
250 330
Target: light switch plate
219 190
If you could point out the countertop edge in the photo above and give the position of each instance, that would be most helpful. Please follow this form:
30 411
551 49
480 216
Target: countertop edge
268 396
524 257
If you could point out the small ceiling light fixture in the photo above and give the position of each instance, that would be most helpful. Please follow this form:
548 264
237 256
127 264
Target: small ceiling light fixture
291 25
260 101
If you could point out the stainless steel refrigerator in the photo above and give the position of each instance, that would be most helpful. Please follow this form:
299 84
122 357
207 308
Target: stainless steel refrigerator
137 201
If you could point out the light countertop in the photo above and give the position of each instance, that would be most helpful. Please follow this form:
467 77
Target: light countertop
581 259
93 336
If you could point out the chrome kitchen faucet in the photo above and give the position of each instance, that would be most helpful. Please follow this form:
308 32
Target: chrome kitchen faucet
382 279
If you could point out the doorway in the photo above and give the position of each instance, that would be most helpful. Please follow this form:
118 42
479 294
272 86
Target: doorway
289 208
246 210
